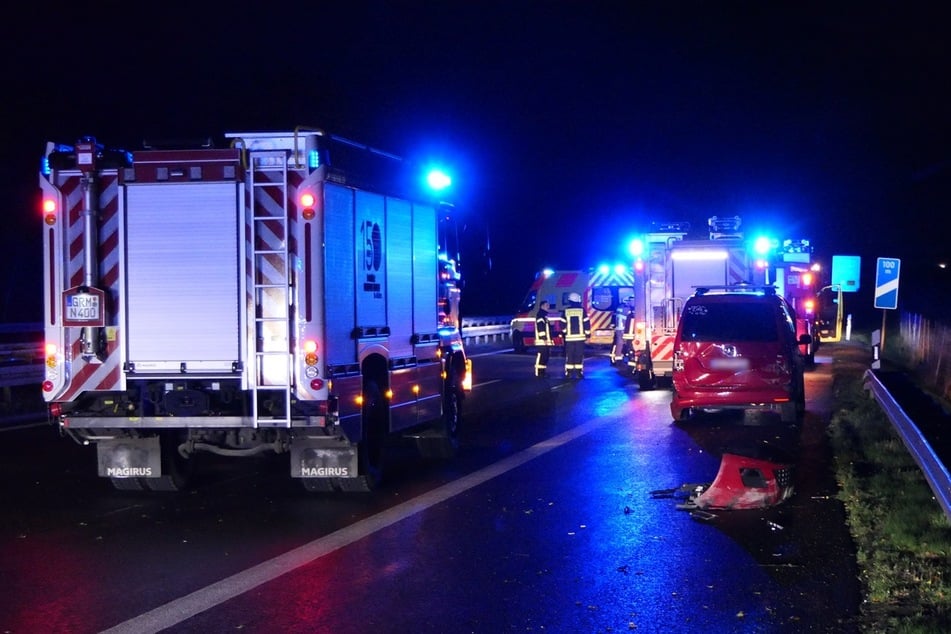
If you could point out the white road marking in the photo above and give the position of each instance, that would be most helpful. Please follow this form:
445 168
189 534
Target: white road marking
179 610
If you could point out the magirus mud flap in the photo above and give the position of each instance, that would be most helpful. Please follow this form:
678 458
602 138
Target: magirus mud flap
323 458
130 457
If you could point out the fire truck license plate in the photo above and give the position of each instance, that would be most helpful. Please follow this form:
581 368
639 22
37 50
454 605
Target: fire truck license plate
82 307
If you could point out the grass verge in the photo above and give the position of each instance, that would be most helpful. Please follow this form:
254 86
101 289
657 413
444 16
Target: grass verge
902 538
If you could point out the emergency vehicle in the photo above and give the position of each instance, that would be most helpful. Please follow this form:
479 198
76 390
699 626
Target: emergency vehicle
797 280
602 291
282 293
668 270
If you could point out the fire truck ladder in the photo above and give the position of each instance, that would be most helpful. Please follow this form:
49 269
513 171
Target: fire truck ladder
273 358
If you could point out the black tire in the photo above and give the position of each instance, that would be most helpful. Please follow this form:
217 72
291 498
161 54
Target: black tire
448 445
370 450
176 469
319 485
646 380
793 412
128 484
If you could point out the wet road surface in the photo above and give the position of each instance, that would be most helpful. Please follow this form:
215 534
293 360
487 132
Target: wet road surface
545 523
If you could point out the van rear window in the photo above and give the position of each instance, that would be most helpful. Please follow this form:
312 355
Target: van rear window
729 321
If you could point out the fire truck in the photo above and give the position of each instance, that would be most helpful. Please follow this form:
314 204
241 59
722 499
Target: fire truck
285 292
602 291
668 270
797 279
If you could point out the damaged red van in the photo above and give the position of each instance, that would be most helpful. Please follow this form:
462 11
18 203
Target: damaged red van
736 348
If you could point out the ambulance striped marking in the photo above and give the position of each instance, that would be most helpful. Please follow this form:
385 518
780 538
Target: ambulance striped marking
604 319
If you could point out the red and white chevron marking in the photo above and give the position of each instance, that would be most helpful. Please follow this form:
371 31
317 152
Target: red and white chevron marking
82 375
737 267
662 348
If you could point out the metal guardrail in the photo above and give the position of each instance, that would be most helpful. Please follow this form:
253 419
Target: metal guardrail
486 329
21 361
21 354
934 471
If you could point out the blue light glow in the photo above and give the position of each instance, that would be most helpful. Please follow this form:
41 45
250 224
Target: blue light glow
762 245
636 247
438 179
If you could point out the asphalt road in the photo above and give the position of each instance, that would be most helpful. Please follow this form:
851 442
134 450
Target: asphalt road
545 522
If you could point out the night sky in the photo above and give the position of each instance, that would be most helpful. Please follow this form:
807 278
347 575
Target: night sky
568 125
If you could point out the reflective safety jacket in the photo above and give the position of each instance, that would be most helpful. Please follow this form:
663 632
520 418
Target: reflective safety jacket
542 329
577 324
630 326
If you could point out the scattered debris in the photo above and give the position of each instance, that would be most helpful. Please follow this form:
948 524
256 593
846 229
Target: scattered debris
742 482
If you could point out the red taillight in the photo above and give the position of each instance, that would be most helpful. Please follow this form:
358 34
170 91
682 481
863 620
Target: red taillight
48 387
49 211
307 203
310 352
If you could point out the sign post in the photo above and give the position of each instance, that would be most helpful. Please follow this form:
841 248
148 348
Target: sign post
845 279
886 287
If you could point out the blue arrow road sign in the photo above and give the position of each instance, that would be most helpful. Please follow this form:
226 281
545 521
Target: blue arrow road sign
886 283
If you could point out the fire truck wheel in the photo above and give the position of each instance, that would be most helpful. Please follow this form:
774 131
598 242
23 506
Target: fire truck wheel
370 451
646 380
176 470
128 484
444 444
319 485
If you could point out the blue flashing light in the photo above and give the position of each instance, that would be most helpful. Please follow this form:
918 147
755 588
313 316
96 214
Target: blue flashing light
763 245
546 273
313 159
438 180
636 247
604 269
620 269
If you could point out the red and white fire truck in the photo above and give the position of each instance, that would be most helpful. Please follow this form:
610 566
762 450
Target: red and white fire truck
797 279
602 289
283 293
669 270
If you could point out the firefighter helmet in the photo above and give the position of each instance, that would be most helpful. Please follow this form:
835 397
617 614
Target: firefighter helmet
574 297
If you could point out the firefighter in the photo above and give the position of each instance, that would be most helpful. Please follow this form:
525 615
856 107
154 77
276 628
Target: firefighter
577 330
543 339
623 322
